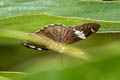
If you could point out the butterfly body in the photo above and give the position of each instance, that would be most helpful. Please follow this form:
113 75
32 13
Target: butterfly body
65 35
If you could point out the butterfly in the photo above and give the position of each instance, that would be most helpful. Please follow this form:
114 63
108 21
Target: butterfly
64 35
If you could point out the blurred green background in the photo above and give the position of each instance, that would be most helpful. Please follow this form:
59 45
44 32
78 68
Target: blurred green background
20 63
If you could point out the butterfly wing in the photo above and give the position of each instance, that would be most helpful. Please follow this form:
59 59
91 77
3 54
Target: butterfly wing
61 34
88 28
74 34
54 32
34 46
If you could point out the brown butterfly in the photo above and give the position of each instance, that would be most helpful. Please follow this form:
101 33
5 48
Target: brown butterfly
62 34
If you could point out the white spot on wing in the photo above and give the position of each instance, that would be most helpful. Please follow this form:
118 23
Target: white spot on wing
58 24
80 34
52 24
32 46
25 44
39 49
61 24
92 30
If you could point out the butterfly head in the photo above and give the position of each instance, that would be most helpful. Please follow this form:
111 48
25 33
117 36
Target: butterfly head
93 27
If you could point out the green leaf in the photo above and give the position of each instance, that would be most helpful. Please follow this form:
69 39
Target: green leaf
76 8
104 69
102 47
12 75
58 47
31 23
3 78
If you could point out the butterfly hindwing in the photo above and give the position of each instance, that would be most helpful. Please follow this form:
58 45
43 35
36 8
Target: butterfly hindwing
54 32
34 46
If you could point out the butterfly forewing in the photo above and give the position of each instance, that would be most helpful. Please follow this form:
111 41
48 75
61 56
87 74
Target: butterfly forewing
88 28
80 32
